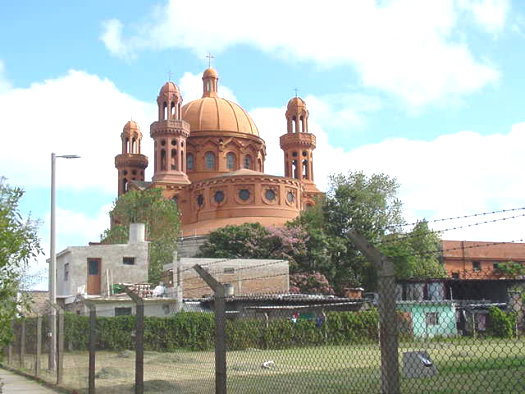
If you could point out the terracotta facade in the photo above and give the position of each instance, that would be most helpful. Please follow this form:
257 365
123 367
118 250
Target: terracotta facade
209 159
479 260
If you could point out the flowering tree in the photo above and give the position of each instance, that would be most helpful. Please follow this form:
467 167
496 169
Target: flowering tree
310 283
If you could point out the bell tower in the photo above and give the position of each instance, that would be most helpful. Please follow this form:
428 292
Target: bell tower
298 145
130 163
169 134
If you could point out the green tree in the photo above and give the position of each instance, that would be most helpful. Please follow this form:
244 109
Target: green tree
416 254
368 204
162 221
510 269
18 245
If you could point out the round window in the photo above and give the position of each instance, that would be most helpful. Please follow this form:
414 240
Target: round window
218 196
269 194
290 197
244 194
200 200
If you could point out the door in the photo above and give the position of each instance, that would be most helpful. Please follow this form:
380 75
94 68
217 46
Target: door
93 276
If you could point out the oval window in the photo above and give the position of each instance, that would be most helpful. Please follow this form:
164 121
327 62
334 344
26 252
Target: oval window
218 196
269 194
244 194
290 197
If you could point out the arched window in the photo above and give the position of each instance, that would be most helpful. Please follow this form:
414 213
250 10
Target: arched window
164 111
230 161
173 159
189 161
162 160
209 159
173 109
248 162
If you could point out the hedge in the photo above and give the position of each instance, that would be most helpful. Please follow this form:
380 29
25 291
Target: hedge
196 331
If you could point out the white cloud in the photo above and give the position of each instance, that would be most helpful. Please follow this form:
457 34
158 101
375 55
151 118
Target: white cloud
409 48
78 114
457 174
489 14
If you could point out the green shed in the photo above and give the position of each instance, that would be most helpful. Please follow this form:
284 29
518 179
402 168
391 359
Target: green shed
431 318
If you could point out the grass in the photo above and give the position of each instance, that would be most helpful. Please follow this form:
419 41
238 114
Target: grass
464 365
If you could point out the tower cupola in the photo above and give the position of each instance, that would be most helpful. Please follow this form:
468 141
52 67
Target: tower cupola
130 163
169 102
298 145
210 81
169 134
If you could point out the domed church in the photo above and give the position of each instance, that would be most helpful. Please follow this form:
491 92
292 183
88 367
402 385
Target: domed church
209 159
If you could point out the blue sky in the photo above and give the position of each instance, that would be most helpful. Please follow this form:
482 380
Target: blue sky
430 92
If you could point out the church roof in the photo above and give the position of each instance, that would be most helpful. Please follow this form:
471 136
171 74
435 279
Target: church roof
215 114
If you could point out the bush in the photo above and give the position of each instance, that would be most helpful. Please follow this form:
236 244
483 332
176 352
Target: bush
501 324
196 331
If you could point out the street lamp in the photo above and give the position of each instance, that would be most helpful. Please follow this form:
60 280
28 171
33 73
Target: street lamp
52 265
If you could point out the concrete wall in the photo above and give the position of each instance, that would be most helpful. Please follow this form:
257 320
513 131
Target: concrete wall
112 260
247 276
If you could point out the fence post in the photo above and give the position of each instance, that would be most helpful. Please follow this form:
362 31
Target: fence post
38 344
60 346
21 349
139 340
220 329
91 345
387 313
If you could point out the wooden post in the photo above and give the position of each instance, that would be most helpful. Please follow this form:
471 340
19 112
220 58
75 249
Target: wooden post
91 345
139 340
21 349
220 329
60 346
38 344
387 313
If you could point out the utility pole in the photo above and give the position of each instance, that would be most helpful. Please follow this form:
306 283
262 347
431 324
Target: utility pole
387 312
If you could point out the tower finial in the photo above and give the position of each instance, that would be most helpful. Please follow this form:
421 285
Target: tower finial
295 89
169 75
210 56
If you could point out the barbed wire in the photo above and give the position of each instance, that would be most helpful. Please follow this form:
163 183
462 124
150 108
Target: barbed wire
460 217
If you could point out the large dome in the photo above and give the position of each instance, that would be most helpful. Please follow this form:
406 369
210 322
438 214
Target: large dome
217 114
213 113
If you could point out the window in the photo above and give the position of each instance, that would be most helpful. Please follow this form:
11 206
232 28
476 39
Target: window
244 194
248 162
189 161
476 266
66 271
128 260
229 270
123 311
200 200
269 194
290 197
230 161
218 196
432 318
93 266
209 158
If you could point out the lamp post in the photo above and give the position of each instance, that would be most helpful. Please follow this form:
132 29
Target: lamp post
52 266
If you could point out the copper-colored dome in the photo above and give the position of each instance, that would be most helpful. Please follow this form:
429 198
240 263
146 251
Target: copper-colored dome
296 102
217 114
210 72
131 125
169 87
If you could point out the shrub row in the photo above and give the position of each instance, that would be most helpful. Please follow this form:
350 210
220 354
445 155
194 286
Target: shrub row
196 331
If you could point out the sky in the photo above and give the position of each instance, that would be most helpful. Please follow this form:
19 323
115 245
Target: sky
429 92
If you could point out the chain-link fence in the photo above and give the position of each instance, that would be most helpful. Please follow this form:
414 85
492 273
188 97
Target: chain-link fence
445 335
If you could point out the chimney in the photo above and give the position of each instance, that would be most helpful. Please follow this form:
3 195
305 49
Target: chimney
137 233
